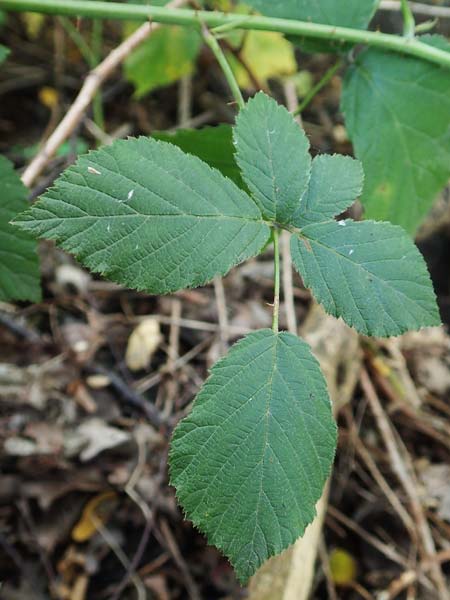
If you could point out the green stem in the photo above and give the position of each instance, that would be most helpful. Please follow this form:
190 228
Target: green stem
319 85
276 301
409 24
79 41
115 10
224 65
96 42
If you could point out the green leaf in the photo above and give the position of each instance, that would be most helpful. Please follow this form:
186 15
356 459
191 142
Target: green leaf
351 13
397 113
370 274
213 145
265 131
336 181
146 215
168 55
3 53
250 462
19 263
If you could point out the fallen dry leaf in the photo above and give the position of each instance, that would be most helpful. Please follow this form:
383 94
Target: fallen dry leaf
142 344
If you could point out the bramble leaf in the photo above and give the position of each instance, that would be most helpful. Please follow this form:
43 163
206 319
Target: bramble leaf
213 145
165 57
264 132
250 461
397 112
369 273
147 215
19 263
351 13
336 181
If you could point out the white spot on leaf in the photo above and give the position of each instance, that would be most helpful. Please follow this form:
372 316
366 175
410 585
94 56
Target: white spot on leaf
93 171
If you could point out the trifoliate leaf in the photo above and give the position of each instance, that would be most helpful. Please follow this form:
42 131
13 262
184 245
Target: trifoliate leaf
19 263
336 181
272 152
397 113
147 215
370 274
251 460
214 145
168 55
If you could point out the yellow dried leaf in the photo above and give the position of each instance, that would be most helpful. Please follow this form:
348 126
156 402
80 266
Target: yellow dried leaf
48 96
268 55
342 566
142 344
96 512
33 24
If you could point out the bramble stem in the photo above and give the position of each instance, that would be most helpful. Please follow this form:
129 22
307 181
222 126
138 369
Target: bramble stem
276 261
115 10
319 85
214 45
409 24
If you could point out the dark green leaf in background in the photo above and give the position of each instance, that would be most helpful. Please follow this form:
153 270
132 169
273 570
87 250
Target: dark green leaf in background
397 112
145 214
213 145
348 13
19 263
250 461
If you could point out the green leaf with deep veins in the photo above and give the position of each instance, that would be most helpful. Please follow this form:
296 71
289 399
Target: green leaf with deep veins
371 274
264 133
146 215
397 112
250 461
19 263
336 181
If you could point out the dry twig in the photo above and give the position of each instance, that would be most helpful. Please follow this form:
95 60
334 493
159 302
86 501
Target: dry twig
402 467
89 89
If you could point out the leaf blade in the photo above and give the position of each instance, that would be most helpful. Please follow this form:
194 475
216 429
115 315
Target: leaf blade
149 216
213 145
352 13
336 181
256 412
397 112
263 131
369 273
19 263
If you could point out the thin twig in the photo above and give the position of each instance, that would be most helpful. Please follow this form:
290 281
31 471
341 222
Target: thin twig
145 509
172 547
405 474
222 315
90 87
